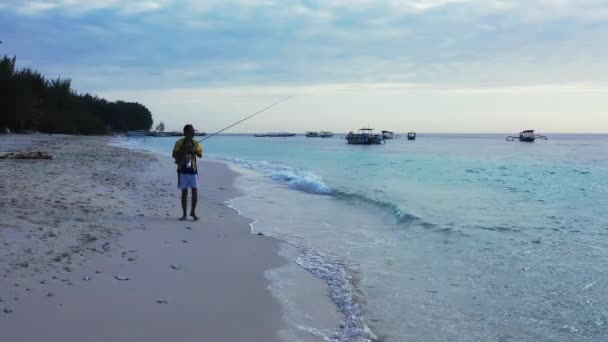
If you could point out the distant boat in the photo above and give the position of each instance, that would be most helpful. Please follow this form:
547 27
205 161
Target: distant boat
387 135
274 135
365 136
322 134
527 136
411 136
138 133
158 134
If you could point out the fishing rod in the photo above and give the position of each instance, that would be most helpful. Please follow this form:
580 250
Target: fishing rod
247 118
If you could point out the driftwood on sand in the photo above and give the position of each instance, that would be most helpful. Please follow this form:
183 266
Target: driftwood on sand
26 155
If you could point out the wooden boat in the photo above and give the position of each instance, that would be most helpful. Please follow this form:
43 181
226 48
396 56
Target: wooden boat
365 136
274 135
527 136
411 136
388 135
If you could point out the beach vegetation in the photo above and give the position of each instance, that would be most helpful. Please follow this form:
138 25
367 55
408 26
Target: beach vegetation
31 102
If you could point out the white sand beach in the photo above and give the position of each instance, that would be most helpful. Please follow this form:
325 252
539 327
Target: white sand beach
92 250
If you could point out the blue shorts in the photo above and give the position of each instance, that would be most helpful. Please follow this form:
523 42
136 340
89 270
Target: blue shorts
187 180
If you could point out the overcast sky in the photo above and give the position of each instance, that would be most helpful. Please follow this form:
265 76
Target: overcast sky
424 65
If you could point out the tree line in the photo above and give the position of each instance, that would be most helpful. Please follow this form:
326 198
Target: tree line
30 102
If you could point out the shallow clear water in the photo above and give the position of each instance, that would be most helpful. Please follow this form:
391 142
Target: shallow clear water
446 238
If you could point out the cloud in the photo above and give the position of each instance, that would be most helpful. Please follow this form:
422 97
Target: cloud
402 107
143 6
344 57
194 43
36 7
82 7
536 9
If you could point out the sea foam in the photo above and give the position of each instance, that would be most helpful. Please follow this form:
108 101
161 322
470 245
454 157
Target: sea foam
306 181
342 293
294 178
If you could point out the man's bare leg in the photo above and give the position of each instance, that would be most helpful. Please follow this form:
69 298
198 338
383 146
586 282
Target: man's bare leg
184 204
194 200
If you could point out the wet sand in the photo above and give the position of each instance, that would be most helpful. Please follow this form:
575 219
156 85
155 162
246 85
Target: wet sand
92 250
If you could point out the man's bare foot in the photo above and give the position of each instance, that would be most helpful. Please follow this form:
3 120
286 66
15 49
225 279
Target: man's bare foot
194 217
183 218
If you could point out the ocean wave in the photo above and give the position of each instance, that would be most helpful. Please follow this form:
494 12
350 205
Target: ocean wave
123 142
294 178
302 181
401 215
128 143
342 293
306 181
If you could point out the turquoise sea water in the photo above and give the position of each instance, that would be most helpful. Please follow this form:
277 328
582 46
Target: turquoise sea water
446 238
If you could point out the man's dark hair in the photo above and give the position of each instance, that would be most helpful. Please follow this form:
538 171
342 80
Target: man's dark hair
188 128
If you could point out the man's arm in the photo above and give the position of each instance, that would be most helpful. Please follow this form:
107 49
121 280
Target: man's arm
199 150
177 155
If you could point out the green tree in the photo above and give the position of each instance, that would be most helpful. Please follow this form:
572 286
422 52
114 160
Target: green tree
28 101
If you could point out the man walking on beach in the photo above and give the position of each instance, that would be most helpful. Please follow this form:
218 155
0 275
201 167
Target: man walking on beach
185 152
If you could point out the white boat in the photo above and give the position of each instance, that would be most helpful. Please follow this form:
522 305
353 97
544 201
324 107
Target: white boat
365 136
138 133
274 135
527 136
322 134
387 135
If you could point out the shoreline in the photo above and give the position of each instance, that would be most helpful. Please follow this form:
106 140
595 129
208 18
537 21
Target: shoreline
314 318
339 281
338 313
81 296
